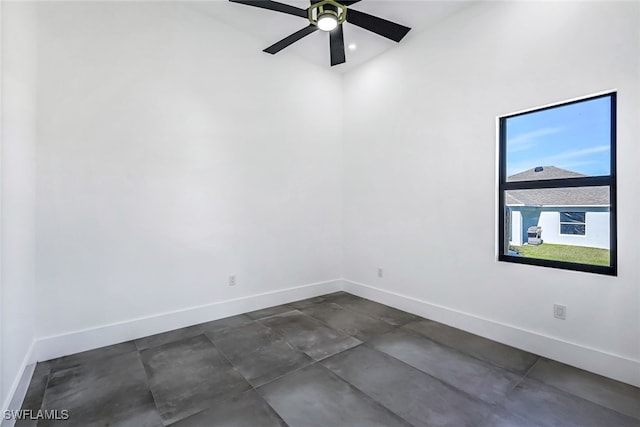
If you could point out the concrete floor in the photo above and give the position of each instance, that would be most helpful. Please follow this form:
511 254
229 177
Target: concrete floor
336 360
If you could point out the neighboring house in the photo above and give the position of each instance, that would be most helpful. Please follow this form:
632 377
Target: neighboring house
571 216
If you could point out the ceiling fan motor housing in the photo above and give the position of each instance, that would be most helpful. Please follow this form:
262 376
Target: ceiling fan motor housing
325 7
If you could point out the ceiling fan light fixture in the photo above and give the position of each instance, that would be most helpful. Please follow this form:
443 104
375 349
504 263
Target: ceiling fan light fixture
327 21
327 14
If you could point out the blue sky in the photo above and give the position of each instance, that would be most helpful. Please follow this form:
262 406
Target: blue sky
575 137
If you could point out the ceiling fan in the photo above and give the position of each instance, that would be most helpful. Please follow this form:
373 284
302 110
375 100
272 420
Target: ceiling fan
329 15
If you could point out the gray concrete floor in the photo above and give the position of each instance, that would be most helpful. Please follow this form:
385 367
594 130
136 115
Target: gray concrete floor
336 360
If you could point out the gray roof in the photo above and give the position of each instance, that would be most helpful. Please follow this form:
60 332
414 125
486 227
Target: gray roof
547 172
573 196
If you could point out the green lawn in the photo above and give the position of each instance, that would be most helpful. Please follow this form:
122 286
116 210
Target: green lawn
579 254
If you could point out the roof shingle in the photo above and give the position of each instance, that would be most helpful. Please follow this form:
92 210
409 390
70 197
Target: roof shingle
571 196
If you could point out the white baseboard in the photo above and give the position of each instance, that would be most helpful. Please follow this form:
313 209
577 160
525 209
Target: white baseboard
590 359
593 360
18 389
51 347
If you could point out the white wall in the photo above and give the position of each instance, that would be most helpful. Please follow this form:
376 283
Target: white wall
420 147
171 154
516 228
17 310
548 218
596 229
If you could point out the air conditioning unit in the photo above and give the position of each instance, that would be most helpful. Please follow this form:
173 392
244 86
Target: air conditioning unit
534 235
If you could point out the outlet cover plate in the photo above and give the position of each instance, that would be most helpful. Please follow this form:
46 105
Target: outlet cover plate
559 311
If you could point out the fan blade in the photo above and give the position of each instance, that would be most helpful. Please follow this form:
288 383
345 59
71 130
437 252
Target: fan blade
277 47
336 42
380 26
274 5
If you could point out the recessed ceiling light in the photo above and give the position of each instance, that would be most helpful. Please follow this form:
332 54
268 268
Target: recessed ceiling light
352 46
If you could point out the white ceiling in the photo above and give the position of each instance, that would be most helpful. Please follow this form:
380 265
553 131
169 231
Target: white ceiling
270 26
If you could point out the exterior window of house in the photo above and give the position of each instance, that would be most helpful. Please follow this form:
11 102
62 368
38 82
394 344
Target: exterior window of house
573 223
557 186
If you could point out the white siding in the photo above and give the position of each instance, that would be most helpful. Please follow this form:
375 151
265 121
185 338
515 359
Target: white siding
597 230
516 228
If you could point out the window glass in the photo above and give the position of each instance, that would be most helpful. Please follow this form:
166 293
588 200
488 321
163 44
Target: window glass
569 141
557 186
573 223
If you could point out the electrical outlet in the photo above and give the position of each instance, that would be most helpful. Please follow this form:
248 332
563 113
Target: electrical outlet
232 280
380 272
559 311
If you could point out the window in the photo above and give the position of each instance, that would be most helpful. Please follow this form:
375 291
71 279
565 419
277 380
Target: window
556 181
573 223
